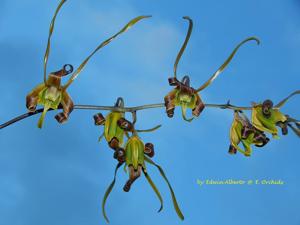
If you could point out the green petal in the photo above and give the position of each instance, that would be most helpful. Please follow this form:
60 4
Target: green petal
107 192
235 134
176 206
100 138
49 38
187 38
225 64
149 130
104 43
281 103
296 130
42 117
155 189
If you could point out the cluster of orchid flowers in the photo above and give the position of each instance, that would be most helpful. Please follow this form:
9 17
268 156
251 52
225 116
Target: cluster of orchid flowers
122 136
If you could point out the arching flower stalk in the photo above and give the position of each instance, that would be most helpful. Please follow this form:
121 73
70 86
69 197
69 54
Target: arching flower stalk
136 155
183 94
242 131
52 94
267 117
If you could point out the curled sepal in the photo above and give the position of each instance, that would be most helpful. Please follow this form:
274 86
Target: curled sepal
265 118
225 64
104 43
67 105
155 189
125 125
149 150
175 204
107 192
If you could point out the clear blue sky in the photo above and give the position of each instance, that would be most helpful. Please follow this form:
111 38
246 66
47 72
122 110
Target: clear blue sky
58 175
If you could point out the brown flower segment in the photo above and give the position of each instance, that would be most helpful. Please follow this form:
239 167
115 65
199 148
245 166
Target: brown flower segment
185 96
133 154
52 94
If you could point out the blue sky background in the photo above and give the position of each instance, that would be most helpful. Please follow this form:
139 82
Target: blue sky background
59 174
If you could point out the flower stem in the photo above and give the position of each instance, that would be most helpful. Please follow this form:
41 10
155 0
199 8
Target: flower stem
117 109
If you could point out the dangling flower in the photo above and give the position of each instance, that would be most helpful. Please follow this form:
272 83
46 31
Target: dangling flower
183 94
267 117
51 94
242 131
136 153
134 150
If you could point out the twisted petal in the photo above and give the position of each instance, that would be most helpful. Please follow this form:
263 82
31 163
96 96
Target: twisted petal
149 130
225 64
51 29
124 29
155 189
101 137
188 35
296 130
281 103
109 189
176 206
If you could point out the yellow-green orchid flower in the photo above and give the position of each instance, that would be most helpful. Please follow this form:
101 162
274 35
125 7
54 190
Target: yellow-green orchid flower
185 96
